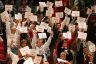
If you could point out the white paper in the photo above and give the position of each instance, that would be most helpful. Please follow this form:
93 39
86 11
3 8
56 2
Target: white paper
18 16
49 4
55 19
82 35
25 50
59 14
82 25
23 30
33 18
60 60
75 13
67 35
28 61
28 9
37 60
42 35
58 4
42 4
49 30
8 7
49 12
27 14
44 25
81 19
39 28
5 16
67 11
33 52
92 48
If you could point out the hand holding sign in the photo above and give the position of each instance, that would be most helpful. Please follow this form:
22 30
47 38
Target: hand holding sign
75 13
58 4
42 35
82 35
25 50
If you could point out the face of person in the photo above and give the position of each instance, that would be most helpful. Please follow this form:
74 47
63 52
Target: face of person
23 44
85 50
63 55
40 42
13 30
32 26
58 26
62 38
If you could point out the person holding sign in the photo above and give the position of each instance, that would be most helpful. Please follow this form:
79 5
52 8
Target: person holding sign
42 47
63 57
24 52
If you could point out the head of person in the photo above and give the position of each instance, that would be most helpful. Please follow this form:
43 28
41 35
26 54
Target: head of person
32 26
85 51
40 42
58 25
63 55
60 37
13 29
23 43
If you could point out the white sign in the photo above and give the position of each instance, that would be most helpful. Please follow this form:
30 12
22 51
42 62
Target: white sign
82 25
49 4
59 14
37 60
39 28
8 7
44 25
33 52
49 30
67 11
60 60
49 12
33 18
81 19
67 35
58 4
42 4
28 9
82 35
23 30
92 48
25 50
42 35
18 16
55 19
75 13
28 61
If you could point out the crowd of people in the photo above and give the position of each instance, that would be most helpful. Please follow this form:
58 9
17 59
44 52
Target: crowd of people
47 32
